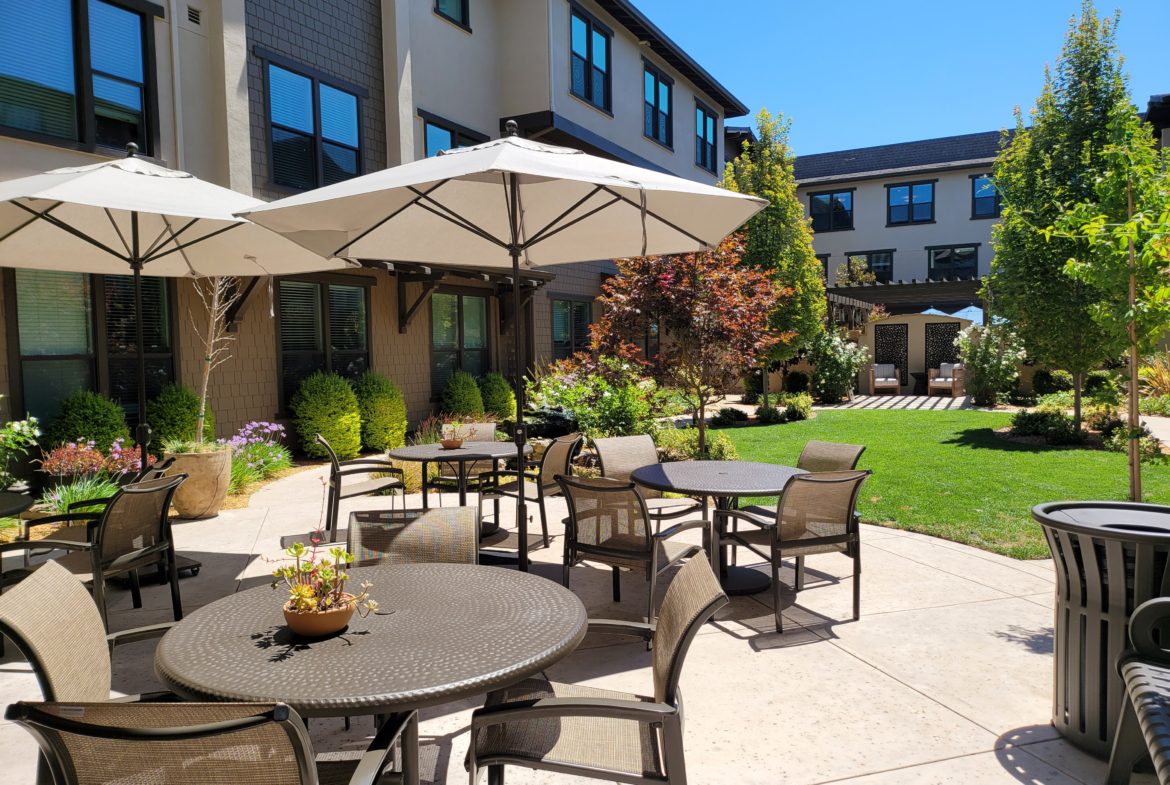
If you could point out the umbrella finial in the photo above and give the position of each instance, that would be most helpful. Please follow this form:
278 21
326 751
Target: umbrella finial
511 128
131 149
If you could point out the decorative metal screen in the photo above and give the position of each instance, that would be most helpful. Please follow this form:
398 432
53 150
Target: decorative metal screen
889 346
940 343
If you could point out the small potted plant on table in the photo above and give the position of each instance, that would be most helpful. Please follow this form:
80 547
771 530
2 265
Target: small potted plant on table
318 604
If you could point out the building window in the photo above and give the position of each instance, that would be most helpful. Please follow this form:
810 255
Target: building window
823 258
953 262
570 327
651 343
880 263
459 336
323 327
589 61
456 11
909 203
313 128
77 332
984 197
656 120
440 135
78 71
831 211
705 123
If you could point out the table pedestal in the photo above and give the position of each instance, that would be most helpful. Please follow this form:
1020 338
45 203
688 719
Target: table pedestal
741 581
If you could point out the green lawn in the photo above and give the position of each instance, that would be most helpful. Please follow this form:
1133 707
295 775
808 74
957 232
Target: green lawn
947 474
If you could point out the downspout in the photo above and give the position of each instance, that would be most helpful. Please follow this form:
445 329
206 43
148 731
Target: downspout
176 84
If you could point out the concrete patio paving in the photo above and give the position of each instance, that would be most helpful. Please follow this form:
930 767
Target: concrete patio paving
946 679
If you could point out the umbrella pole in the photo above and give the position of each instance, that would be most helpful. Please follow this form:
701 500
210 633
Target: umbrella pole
518 380
142 432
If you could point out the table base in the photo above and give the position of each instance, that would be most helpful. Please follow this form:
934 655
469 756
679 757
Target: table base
741 581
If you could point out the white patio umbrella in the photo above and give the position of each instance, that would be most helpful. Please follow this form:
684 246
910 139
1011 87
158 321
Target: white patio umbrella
509 203
129 215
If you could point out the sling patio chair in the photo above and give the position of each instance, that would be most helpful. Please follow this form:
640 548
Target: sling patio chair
447 477
620 455
608 524
815 515
539 480
593 732
381 476
437 535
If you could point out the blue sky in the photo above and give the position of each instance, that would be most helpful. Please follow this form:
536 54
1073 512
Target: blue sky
854 73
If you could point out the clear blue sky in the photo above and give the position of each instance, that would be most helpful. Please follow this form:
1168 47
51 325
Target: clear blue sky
854 73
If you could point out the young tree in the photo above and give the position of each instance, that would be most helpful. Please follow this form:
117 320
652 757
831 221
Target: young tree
218 295
1126 225
1056 161
711 309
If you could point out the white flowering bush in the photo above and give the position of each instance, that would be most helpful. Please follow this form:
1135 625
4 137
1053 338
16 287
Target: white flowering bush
990 355
836 361
17 437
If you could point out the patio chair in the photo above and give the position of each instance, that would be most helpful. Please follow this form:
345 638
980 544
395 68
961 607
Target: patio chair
609 524
884 376
594 732
948 378
448 536
447 478
537 485
815 515
339 487
1145 704
131 532
184 743
620 455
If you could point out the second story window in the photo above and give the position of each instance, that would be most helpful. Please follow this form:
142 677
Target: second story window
953 262
570 327
456 11
880 263
440 135
984 197
314 130
831 211
656 117
77 71
705 122
589 59
910 203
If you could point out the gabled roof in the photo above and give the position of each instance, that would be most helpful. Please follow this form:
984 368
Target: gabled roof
661 44
947 152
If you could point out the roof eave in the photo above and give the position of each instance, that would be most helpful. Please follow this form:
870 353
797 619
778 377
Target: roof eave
877 174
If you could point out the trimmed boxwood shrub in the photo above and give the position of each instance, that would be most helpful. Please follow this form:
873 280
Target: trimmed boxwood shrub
498 398
753 386
461 396
88 417
796 382
326 404
383 411
797 406
173 415
1045 382
769 415
728 416
1049 422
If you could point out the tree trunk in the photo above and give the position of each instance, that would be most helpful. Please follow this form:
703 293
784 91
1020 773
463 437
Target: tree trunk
1134 424
1078 387
208 348
764 384
702 427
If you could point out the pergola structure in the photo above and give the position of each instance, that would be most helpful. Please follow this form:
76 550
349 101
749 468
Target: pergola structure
915 296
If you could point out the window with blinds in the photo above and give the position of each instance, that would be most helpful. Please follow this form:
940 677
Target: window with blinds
571 320
314 130
459 337
323 326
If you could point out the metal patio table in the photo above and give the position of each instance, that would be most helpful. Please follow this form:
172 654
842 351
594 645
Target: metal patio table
1109 557
443 632
726 482
427 454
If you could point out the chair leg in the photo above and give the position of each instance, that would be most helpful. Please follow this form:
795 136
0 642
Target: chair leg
1129 746
173 577
650 596
776 588
856 581
496 774
617 585
543 521
135 589
99 598
799 573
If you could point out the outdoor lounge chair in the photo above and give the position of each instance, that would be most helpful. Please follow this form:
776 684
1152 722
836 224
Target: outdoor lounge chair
884 376
947 378
1145 705
594 732
184 743
537 485
609 524
620 455
434 536
339 487
815 515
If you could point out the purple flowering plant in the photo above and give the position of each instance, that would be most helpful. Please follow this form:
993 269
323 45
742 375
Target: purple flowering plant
258 452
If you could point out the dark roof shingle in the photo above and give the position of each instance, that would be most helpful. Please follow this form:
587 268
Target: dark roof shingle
904 155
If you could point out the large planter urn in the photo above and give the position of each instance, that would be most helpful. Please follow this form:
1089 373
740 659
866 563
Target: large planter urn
208 476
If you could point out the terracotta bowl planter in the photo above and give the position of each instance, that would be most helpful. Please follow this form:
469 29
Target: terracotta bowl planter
208 476
317 624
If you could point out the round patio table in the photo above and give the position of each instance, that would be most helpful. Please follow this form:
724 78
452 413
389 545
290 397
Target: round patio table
726 481
13 503
1109 557
442 632
470 451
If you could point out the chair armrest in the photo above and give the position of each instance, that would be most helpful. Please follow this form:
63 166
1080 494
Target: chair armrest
138 634
1145 620
634 629
65 517
381 750
571 707
740 515
89 503
496 474
148 697
678 528
28 545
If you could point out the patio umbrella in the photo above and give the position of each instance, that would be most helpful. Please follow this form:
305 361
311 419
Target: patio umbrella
129 215
509 203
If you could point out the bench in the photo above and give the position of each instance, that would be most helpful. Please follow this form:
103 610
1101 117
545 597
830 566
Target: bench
1143 732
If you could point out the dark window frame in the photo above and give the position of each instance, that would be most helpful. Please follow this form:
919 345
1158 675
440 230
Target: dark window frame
86 140
660 78
101 355
930 249
324 281
832 194
998 211
592 24
850 255
465 11
455 129
316 79
571 299
488 350
700 139
910 220
823 258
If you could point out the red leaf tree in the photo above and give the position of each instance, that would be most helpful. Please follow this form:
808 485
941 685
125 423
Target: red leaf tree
712 313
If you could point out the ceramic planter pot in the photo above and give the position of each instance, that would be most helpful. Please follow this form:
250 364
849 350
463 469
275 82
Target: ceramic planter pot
317 624
208 476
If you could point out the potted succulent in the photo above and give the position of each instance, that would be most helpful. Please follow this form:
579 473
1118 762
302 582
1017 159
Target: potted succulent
208 466
318 603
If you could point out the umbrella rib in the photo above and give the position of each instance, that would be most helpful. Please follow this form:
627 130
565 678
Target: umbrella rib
184 246
445 212
117 231
379 224
539 235
657 217
168 234
54 221
29 221
545 235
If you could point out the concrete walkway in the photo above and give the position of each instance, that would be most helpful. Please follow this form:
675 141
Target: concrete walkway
947 678
923 402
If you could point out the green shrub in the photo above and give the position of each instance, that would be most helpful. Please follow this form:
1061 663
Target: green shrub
728 416
326 404
498 397
1101 384
753 386
1155 405
796 382
383 412
1149 446
1045 382
174 414
682 444
797 406
1018 397
609 398
81 489
1104 419
88 417
461 396
1051 423
837 362
770 415
670 402
990 354
243 475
